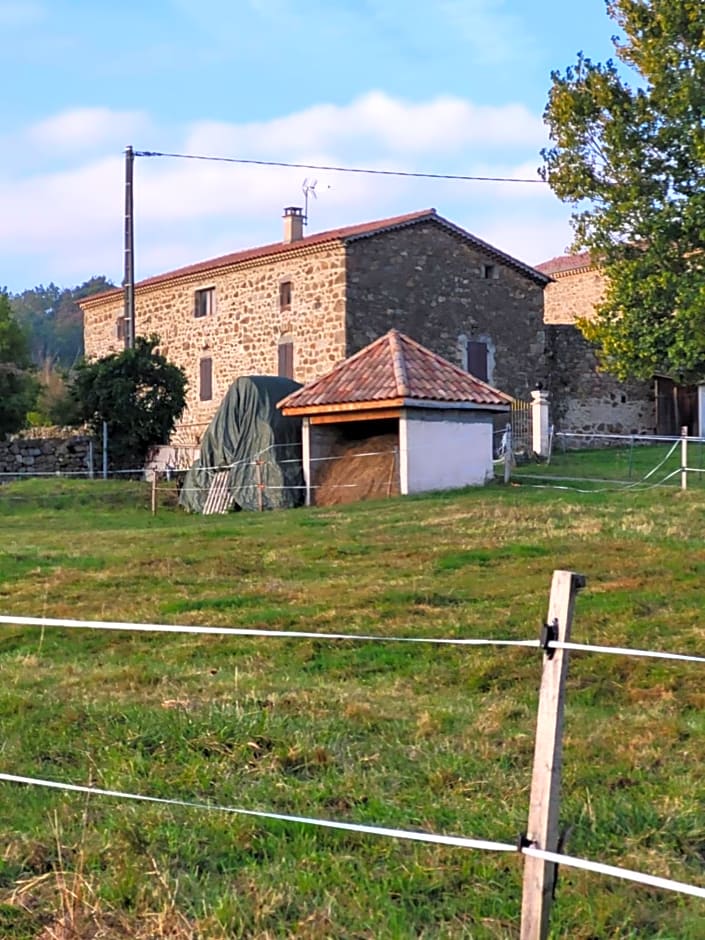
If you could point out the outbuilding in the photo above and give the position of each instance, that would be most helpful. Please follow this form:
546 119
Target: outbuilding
395 418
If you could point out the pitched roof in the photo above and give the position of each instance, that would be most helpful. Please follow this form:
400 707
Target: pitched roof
395 368
565 264
343 235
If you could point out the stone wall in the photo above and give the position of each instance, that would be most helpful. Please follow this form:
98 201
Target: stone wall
242 334
584 398
38 456
573 295
434 286
587 400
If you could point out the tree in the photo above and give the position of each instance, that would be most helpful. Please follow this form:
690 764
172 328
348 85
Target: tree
138 393
18 387
630 159
53 320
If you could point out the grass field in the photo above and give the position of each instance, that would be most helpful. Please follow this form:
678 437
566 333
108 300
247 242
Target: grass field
437 738
636 466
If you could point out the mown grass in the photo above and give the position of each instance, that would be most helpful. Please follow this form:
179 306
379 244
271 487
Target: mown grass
438 738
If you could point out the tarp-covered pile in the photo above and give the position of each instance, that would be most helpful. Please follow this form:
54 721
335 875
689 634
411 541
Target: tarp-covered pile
250 454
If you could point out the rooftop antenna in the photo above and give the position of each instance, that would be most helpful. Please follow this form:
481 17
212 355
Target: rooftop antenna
308 187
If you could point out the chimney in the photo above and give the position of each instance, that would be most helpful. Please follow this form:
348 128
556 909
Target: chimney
293 224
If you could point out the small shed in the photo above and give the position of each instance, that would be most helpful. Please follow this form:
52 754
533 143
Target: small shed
416 422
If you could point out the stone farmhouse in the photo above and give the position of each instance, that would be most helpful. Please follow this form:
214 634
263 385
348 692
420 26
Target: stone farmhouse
300 306
585 398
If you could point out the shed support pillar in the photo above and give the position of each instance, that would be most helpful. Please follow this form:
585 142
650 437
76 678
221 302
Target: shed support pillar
306 457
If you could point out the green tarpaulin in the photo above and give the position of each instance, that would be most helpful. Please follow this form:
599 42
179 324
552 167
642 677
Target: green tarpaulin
251 451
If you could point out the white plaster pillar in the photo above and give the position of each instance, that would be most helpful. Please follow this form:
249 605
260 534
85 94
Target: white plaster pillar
540 422
403 453
306 456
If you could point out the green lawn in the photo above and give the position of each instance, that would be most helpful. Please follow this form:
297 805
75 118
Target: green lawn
401 735
636 465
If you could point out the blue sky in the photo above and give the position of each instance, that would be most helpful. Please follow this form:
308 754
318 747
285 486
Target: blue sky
449 86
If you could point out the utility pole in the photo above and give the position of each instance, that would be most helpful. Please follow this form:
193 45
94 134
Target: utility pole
128 282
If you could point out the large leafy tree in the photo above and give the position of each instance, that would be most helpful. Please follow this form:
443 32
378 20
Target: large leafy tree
628 153
18 386
138 393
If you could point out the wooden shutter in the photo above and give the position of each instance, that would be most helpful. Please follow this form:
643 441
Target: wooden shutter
206 379
477 360
286 360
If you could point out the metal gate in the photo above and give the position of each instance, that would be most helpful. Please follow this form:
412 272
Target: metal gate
522 428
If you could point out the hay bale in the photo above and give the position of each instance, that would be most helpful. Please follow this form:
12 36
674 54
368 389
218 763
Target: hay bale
367 468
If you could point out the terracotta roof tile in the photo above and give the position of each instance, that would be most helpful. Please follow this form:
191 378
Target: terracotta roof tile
393 367
344 234
564 263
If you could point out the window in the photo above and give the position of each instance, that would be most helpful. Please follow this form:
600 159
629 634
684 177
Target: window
285 296
120 327
286 360
477 359
205 379
204 302
489 271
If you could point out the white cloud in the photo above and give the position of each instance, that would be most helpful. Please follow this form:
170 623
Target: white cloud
443 125
82 129
532 240
66 225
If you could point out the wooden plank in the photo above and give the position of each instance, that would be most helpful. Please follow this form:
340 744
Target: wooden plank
342 417
542 829
343 407
219 499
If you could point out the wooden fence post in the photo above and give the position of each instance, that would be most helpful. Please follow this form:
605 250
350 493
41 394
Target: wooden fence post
542 828
260 485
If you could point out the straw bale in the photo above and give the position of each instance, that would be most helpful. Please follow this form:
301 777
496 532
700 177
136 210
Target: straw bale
367 468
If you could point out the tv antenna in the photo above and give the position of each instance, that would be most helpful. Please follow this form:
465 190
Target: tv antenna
308 187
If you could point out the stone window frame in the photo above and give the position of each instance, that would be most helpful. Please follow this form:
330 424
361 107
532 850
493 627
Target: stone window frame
285 295
489 272
204 301
476 356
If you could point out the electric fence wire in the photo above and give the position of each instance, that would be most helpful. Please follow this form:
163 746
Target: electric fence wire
409 835
251 631
126 626
383 831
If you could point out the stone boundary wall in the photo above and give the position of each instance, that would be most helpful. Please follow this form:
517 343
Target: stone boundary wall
585 399
60 453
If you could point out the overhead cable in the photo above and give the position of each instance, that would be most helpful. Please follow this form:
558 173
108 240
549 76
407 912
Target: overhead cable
341 169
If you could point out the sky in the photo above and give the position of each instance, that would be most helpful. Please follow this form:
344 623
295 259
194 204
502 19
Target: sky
435 86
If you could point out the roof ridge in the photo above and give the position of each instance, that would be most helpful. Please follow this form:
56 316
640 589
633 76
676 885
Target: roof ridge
398 362
430 354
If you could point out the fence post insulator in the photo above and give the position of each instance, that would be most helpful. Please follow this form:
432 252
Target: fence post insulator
549 634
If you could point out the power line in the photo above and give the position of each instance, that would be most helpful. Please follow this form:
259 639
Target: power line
341 169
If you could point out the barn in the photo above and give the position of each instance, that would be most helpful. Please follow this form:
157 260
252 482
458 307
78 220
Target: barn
394 418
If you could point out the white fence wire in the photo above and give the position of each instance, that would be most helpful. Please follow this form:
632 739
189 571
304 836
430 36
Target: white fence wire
372 830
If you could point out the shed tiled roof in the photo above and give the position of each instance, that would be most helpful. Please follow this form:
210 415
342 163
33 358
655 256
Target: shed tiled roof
564 264
395 368
343 235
